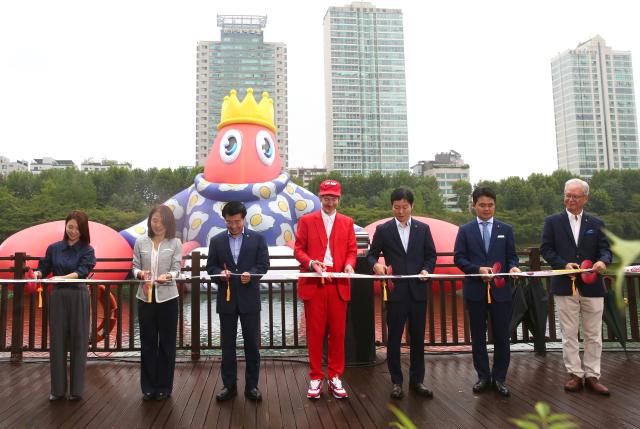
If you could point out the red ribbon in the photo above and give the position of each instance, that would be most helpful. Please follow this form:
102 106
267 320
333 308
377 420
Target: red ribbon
498 281
588 278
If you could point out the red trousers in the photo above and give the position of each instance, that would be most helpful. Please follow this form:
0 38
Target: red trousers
326 310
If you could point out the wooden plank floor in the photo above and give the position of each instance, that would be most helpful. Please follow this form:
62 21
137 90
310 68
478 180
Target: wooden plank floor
113 399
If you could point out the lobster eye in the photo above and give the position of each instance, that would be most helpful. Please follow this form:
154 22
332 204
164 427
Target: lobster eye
230 146
265 147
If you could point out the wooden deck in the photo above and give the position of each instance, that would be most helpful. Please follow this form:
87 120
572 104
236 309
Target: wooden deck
112 397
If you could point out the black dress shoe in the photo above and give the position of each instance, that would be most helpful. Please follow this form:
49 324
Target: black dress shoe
54 398
226 393
253 394
162 396
147 396
501 388
396 391
74 398
421 389
481 385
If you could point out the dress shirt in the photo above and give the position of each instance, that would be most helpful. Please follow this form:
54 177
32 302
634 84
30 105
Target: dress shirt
62 259
328 226
404 232
235 243
574 221
489 225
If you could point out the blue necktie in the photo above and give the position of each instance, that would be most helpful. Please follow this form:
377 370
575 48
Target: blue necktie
485 236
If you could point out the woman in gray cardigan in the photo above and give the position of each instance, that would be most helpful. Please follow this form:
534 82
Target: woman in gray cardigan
157 258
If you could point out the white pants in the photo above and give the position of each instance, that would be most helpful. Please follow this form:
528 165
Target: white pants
570 310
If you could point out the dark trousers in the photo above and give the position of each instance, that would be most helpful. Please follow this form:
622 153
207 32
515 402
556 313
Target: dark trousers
500 313
158 325
69 326
399 313
251 337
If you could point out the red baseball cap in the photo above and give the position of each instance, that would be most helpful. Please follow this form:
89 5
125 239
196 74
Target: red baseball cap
330 187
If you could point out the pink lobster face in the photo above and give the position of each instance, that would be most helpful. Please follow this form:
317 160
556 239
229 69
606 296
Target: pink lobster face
243 153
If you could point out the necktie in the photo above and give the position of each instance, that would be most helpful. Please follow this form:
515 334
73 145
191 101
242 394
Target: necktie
485 235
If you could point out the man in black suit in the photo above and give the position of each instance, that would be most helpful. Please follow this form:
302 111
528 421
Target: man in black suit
408 248
479 245
243 256
568 238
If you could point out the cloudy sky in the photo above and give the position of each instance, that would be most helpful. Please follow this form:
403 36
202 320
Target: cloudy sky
117 79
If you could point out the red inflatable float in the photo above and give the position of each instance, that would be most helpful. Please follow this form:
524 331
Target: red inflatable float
107 243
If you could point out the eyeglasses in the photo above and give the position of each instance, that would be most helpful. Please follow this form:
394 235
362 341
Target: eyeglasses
573 197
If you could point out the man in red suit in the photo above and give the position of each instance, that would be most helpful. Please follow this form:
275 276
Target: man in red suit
326 243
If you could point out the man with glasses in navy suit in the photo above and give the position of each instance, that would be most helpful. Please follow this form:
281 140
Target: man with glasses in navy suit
569 238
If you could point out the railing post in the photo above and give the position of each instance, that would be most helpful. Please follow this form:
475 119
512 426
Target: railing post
195 305
17 324
534 259
535 264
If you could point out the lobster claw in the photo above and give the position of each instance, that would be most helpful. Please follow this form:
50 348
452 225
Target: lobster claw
498 281
588 278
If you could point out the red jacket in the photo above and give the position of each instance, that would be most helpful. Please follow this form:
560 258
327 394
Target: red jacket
311 244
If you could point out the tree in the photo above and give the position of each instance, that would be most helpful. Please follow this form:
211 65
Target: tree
462 189
23 184
600 202
515 194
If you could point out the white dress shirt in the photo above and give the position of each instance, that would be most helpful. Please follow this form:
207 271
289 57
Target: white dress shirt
574 221
328 226
404 231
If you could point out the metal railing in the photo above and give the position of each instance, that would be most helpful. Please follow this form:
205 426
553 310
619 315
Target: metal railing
114 326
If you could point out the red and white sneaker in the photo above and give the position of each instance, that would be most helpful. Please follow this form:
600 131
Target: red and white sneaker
336 389
315 388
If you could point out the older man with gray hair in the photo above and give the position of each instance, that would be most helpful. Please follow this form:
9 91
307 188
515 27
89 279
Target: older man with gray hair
568 239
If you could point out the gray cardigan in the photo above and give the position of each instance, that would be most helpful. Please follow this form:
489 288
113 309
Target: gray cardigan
169 261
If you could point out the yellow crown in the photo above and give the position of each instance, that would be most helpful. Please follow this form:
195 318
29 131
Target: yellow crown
235 112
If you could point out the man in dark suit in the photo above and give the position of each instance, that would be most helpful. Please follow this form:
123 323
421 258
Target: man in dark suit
408 248
243 256
568 238
479 245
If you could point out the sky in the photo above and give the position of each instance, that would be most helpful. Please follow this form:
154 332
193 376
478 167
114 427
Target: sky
117 79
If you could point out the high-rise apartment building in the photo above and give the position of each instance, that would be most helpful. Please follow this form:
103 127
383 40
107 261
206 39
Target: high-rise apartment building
595 110
365 90
240 60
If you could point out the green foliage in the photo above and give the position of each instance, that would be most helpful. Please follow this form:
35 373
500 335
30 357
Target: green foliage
403 422
628 252
120 198
544 419
462 189
515 194
117 197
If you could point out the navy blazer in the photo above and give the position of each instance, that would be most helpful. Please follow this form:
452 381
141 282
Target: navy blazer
559 248
470 255
420 255
253 258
